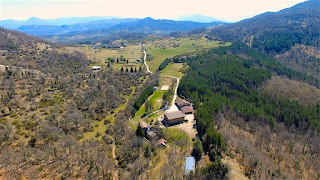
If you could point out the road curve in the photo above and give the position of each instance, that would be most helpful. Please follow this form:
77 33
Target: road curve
173 107
145 59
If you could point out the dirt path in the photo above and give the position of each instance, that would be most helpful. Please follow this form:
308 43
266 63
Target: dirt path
173 107
236 172
145 59
113 151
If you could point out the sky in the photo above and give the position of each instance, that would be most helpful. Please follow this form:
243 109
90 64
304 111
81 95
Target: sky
229 10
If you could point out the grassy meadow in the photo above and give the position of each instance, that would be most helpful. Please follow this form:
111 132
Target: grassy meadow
99 57
168 48
173 69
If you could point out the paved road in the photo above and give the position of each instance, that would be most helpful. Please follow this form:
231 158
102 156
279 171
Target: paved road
145 59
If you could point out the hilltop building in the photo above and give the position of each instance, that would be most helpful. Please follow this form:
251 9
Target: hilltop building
173 118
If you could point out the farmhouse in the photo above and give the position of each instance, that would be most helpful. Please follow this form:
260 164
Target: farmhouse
181 103
187 110
190 165
174 117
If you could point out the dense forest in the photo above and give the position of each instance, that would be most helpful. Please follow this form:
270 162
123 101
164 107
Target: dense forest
228 79
232 78
276 32
281 33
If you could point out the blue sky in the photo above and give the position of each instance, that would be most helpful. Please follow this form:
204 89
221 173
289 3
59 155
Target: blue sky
231 10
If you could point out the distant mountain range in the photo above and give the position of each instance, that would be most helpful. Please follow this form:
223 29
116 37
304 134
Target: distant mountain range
110 28
146 25
40 30
198 18
14 24
162 26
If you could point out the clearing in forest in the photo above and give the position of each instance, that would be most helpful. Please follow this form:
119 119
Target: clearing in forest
168 48
127 57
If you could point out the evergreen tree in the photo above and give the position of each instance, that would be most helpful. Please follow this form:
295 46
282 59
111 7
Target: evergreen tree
140 131
197 150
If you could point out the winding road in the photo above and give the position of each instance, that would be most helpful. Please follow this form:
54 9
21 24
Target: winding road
173 107
145 59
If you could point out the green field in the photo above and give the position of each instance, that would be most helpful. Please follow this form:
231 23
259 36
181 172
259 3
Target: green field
132 52
167 48
100 56
156 101
173 69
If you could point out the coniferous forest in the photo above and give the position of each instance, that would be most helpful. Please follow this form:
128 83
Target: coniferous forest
227 80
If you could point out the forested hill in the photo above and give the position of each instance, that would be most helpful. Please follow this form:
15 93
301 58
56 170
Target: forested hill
21 50
49 100
229 78
11 40
225 85
291 35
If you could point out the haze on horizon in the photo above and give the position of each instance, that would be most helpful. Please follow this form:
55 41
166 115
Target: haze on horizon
229 10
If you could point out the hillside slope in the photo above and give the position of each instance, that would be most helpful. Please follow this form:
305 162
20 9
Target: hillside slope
21 50
59 119
291 35
49 97
224 85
